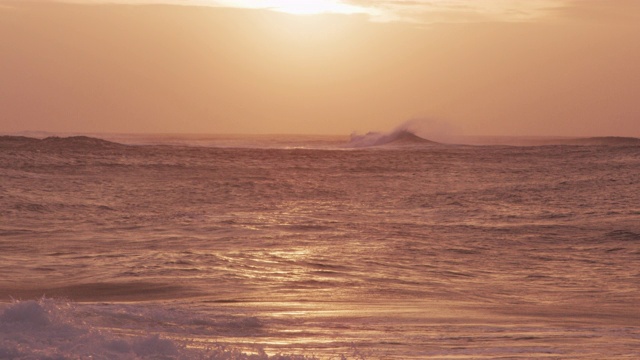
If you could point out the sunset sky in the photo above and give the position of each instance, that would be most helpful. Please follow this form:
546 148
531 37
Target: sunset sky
475 67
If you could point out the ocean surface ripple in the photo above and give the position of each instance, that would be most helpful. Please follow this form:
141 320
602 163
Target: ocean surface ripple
329 251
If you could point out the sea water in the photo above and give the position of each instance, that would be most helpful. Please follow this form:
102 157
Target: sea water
302 248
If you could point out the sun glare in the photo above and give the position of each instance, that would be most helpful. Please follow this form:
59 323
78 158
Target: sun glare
310 7
300 7
304 7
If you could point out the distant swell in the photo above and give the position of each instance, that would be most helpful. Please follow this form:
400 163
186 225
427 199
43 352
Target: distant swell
113 291
605 140
55 142
401 138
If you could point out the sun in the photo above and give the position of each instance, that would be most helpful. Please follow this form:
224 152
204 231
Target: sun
310 7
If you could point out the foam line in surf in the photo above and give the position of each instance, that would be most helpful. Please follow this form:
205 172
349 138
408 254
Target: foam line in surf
56 329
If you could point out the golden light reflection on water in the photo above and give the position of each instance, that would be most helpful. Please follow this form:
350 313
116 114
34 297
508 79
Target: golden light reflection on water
292 255
313 326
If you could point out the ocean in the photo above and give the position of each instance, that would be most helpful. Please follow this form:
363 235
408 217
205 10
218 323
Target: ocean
378 247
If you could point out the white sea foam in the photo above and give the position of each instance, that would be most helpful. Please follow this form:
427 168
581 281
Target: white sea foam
56 329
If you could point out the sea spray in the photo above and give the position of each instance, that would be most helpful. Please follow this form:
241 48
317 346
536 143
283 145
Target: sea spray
418 131
51 329
399 138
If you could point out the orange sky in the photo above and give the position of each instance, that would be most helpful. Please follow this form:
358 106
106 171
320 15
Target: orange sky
482 67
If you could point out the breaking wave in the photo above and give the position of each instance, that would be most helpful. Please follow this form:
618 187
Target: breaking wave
401 138
56 329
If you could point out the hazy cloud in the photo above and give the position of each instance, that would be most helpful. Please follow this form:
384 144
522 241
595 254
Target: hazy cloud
459 10
418 11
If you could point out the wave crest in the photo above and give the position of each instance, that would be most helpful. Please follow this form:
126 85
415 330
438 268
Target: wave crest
57 329
401 137
55 142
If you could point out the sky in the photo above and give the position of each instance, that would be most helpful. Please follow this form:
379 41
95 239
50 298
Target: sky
470 67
